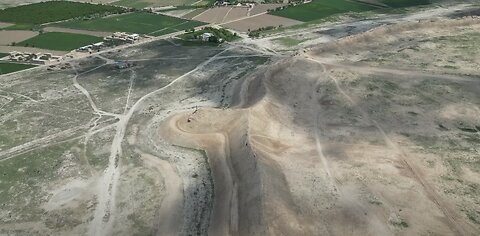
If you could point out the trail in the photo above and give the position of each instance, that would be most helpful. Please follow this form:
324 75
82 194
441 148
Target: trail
318 144
42 102
9 100
429 190
48 140
225 16
170 217
41 142
132 80
102 222
87 94
262 54
400 72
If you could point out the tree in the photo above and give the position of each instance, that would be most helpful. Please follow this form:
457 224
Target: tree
213 39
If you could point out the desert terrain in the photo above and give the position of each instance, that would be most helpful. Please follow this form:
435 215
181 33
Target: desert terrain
345 127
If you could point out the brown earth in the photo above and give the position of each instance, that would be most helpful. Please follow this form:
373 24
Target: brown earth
3 24
259 8
213 15
320 145
9 36
260 21
7 49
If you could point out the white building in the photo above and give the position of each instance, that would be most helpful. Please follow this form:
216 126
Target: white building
206 36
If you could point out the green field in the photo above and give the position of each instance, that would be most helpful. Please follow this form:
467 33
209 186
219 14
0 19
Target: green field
405 3
3 54
44 12
138 22
6 68
132 3
60 41
318 9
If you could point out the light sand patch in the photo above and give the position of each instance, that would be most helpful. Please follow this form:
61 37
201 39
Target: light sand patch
213 15
9 36
7 49
69 194
4 24
461 112
264 8
193 13
236 13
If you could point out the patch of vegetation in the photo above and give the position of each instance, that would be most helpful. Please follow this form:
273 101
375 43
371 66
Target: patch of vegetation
23 178
256 33
138 22
401 224
44 12
467 129
8 67
60 41
3 54
22 27
474 216
318 9
219 35
405 3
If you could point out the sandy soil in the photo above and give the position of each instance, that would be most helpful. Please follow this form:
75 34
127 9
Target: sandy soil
213 15
259 8
3 24
9 36
308 150
8 49
66 30
193 13
259 21
235 13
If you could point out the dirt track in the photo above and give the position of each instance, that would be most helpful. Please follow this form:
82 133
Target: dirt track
76 31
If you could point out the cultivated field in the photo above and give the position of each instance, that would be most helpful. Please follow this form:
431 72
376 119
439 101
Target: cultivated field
143 23
14 3
321 8
152 3
8 37
218 14
6 68
259 8
193 13
60 41
53 11
260 21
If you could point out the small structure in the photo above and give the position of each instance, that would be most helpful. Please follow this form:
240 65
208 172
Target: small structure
34 58
206 36
97 45
122 64
122 37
